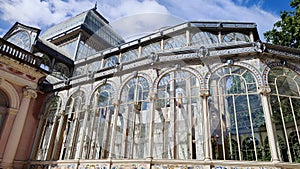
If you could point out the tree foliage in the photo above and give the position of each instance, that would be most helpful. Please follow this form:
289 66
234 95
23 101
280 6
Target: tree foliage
286 31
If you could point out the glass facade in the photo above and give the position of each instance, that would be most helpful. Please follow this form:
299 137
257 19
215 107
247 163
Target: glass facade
285 105
172 108
178 118
237 118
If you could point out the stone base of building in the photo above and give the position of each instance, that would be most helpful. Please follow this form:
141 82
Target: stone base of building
161 164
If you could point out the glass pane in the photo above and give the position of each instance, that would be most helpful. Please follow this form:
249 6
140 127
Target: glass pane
151 48
111 61
129 56
202 38
175 42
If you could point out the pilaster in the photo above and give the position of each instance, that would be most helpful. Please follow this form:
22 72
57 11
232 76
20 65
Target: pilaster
17 128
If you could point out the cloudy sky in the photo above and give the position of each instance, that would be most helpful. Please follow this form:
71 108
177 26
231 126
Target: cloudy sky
139 17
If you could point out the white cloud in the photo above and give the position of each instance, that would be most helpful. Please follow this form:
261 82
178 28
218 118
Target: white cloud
223 10
41 13
136 16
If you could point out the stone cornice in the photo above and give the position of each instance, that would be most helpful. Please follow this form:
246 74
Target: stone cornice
18 68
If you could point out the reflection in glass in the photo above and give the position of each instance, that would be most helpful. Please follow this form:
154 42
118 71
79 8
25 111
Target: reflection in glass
133 121
49 129
203 38
177 122
73 127
111 61
151 48
236 37
98 129
237 119
177 41
285 105
129 55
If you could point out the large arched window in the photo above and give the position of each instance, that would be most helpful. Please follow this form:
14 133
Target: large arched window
285 105
4 103
177 122
236 114
73 126
96 143
48 130
22 39
133 121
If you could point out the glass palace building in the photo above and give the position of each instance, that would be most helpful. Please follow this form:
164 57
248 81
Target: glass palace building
197 95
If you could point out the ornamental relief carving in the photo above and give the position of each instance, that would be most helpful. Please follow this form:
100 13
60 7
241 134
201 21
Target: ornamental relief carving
28 92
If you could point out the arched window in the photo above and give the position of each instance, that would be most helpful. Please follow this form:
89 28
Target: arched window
111 61
93 67
129 55
151 48
96 143
203 38
175 42
4 103
236 37
48 130
285 105
79 71
45 61
61 71
133 121
73 126
21 39
235 113
177 121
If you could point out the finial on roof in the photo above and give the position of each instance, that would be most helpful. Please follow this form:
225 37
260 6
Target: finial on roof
95 7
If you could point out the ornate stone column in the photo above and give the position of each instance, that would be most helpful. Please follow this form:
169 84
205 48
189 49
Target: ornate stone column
17 128
204 93
114 127
264 91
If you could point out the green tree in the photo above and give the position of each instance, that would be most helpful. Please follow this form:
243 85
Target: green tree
286 31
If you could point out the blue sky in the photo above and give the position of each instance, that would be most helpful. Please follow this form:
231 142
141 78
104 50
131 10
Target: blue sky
141 16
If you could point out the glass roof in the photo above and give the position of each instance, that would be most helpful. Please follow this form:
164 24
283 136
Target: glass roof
65 26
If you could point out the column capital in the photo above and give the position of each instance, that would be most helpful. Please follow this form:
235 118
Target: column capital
264 89
29 92
116 102
153 95
204 92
